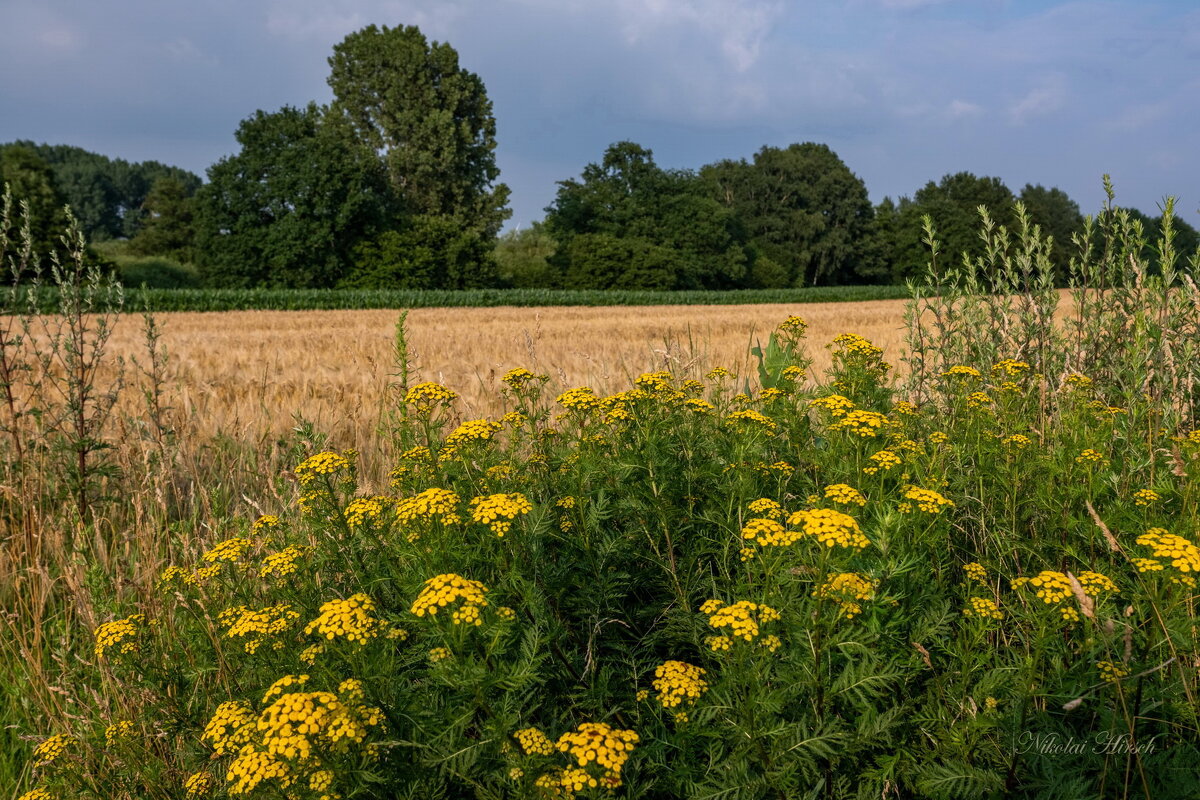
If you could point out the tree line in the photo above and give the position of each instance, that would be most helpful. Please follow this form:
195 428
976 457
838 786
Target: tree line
394 184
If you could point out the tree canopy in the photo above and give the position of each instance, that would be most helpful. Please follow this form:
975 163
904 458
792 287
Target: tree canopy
804 209
627 223
289 208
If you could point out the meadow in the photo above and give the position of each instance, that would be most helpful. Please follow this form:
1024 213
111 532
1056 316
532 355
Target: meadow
942 548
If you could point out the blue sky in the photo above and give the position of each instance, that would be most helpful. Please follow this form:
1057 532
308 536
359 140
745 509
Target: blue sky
905 91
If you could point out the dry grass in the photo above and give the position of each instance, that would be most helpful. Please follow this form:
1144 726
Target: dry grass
244 374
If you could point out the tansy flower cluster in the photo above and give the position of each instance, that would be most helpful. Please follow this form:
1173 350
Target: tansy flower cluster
1145 497
364 509
678 681
534 742
119 730
767 507
743 619
882 460
1176 550
1090 456
751 417
281 564
49 749
927 500
866 424
320 464
286 742
796 326
230 728
829 527
976 572
432 504
476 430
348 619
1053 588
835 404
198 784
851 344
519 377
498 511
230 550
265 523
961 371
598 743
36 794
978 400
256 626
768 533
120 635
1110 672
983 607
846 589
442 590
845 494
1009 368
580 399
427 396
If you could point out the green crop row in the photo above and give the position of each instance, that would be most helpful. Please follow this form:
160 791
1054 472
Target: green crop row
336 299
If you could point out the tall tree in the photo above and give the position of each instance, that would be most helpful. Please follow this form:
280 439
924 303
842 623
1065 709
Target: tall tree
804 209
167 227
289 209
31 181
953 204
431 120
640 211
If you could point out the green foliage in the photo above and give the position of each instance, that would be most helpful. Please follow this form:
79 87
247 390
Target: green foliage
409 100
313 299
1059 218
288 209
953 204
604 261
432 252
628 224
167 226
31 181
980 582
523 258
802 208
105 194
156 272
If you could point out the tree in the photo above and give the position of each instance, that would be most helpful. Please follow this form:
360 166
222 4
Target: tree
953 204
105 194
627 197
430 119
430 252
522 258
1059 217
31 180
167 227
802 208
290 208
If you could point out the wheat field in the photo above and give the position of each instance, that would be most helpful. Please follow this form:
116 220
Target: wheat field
246 373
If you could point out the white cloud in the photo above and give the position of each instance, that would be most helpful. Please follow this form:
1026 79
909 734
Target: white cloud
60 38
1039 101
961 109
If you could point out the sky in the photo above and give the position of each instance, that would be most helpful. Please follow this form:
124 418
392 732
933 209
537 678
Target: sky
904 91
